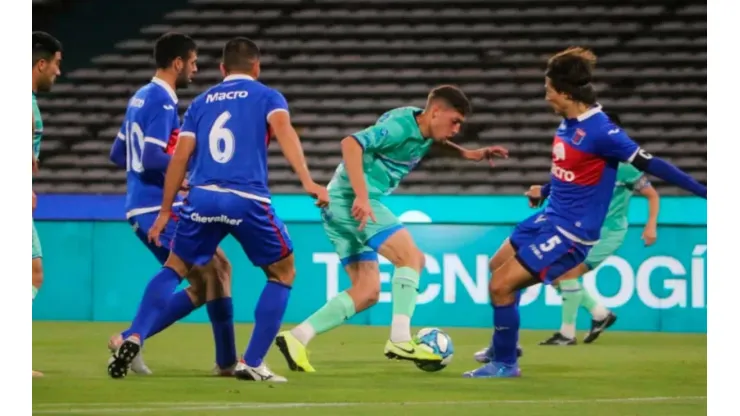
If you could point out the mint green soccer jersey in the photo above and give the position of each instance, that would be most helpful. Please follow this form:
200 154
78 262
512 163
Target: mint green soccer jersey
392 147
38 128
629 180
38 132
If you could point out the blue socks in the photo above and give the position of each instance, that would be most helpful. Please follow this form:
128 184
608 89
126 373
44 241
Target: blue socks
221 314
268 316
154 302
506 332
180 305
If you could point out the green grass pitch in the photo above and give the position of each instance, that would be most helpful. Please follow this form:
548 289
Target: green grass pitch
621 374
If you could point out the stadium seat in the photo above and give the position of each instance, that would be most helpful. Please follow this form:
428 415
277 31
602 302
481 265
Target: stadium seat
341 63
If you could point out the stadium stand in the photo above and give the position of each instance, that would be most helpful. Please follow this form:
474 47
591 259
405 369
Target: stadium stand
341 63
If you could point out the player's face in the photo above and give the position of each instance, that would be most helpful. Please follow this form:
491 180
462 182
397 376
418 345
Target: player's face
186 69
557 101
445 123
48 72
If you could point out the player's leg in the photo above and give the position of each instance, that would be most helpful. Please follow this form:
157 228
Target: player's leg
266 242
193 244
361 265
542 252
389 238
572 293
505 252
37 274
363 293
179 304
601 317
216 277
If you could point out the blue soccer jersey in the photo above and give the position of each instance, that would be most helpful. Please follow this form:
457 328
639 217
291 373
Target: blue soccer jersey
586 152
229 122
150 124
228 176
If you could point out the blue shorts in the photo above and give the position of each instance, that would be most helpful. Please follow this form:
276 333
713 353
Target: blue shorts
207 217
142 223
543 250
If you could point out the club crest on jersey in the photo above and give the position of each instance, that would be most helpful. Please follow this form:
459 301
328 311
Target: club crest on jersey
579 136
558 152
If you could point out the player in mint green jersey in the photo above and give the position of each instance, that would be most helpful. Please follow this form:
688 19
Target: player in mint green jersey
47 56
375 160
613 232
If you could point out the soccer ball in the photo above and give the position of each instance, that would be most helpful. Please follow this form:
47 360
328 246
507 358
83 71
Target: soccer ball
438 342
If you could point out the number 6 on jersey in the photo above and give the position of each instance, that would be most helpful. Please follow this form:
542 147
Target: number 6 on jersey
221 139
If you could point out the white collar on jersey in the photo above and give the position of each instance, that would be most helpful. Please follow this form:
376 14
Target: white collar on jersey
238 77
162 83
591 112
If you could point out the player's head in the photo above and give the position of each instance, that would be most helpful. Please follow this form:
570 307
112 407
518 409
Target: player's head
241 56
178 54
614 117
568 79
47 57
446 109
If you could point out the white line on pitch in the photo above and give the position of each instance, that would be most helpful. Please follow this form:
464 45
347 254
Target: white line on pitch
68 408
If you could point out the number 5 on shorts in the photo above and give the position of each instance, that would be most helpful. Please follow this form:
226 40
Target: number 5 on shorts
550 244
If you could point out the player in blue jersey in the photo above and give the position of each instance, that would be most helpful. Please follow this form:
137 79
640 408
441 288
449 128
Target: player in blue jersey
143 147
224 137
586 152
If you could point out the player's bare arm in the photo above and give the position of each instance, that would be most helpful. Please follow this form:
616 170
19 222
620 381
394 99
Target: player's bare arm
352 157
650 233
477 155
172 181
293 152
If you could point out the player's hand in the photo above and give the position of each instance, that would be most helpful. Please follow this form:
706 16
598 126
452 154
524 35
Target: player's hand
184 188
35 168
535 196
650 235
33 200
162 219
362 212
319 193
486 153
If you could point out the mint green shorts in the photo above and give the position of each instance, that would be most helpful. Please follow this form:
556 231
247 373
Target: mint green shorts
36 253
351 244
607 245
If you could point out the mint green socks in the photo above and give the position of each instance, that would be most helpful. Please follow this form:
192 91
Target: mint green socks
405 290
330 316
572 294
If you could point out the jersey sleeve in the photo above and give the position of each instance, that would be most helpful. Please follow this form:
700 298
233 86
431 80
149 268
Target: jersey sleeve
632 176
613 143
159 124
188 127
275 102
380 136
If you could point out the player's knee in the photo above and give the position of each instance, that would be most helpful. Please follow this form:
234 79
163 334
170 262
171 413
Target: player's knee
500 291
369 291
411 257
37 274
197 295
282 271
178 265
223 270
287 277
